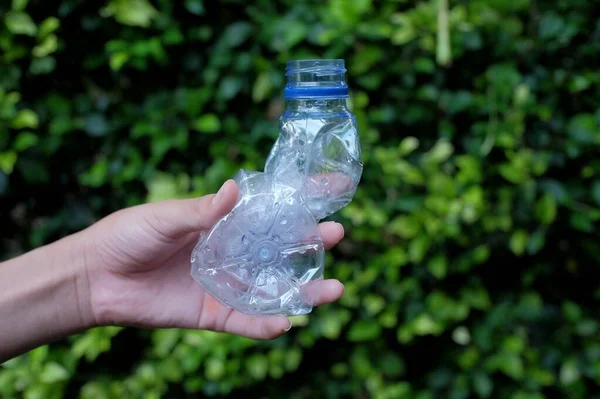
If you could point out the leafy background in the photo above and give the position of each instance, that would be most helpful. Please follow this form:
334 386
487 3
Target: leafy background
470 260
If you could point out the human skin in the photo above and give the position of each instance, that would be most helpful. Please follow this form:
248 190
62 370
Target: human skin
130 269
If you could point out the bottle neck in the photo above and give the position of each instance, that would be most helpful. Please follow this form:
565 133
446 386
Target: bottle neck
316 104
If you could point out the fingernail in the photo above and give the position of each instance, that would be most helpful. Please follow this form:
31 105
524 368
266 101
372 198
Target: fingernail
289 327
343 230
219 194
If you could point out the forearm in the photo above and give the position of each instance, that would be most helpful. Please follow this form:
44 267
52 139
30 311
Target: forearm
43 297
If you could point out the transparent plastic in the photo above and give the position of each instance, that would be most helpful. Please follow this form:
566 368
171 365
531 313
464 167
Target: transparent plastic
318 153
264 256
259 258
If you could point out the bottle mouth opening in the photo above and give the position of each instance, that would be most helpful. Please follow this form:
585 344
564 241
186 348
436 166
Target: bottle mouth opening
317 67
316 78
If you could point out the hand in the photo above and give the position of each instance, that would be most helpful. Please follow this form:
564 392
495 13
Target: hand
138 269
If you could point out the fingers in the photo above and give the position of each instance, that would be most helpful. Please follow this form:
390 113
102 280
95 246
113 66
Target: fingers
217 317
220 318
176 218
257 327
332 233
322 292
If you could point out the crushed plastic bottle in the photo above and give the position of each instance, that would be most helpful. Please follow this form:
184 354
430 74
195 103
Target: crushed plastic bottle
318 149
265 255
259 258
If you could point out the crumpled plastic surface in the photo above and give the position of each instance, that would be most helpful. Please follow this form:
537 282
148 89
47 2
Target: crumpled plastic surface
262 257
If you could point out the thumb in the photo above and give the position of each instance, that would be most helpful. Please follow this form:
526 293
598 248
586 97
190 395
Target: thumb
176 218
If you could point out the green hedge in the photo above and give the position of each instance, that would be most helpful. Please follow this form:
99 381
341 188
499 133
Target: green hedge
471 254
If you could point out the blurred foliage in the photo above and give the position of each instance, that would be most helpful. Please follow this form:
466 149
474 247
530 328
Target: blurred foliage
471 255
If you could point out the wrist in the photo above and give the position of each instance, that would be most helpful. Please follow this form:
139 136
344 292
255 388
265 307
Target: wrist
43 296
77 252
66 283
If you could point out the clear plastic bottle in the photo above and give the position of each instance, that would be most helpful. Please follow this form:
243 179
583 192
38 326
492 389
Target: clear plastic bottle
264 256
318 150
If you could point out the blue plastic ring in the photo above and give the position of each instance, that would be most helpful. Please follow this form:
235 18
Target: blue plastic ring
307 92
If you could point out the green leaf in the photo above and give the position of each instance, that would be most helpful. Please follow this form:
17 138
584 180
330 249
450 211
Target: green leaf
292 33
409 173
164 186
24 141
214 369
518 242
579 83
262 87
365 59
408 145
53 372
583 129
237 33
257 365
438 266
348 12
293 357
546 209
164 340
476 297
93 342
482 384
132 12
405 226
374 304
172 37
48 26
48 46
542 377
509 6
569 373
195 7
522 95
572 311
469 358
461 335
513 173
364 330
418 248
38 356
7 161
536 242
587 328
96 125
97 175
405 29
391 364
443 50
425 325
481 254
20 23
118 59
25 118
388 319
19 5
40 66
581 221
299 320
512 365
229 87
209 123
514 343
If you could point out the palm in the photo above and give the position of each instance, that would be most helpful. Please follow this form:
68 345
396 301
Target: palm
145 277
